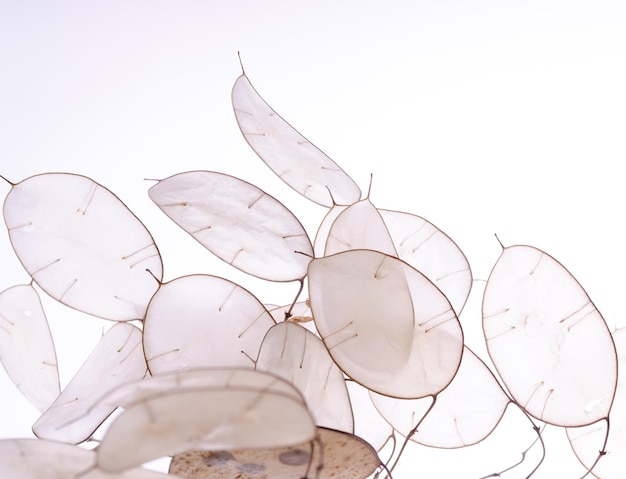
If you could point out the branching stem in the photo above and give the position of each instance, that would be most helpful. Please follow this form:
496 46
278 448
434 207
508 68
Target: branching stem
538 438
412 432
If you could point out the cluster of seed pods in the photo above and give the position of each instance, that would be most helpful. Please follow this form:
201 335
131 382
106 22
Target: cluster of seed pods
201 370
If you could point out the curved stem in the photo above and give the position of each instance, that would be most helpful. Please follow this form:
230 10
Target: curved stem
384 468
318 468
539 437
320 445
498 474
369 189
412 432
602 451
149 271
394 445
288 312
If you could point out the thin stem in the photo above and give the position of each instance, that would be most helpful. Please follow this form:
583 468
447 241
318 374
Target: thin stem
318 468
243 72
394 445
501 245
149 271
602 451
412 432
543 453
384 468
9 182
498 474
538 438
369 189
295 300
332 198
311 454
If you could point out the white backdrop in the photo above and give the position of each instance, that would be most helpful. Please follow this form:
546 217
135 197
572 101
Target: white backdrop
485 117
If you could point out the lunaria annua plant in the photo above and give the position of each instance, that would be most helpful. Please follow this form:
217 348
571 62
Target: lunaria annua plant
202 371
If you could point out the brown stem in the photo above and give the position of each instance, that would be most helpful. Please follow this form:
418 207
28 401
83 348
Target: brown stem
602 451
412 432
288 312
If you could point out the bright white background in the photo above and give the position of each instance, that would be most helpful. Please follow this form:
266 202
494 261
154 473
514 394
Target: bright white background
484 117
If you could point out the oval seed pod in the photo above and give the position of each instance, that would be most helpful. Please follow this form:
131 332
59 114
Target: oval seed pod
76 414
415 241
342 456
586 441
433 253
297 355
82 245
465 413
292 157
547 340
213 417
135 392
321 235
238 222
37 458
384 323
203 321
26 348
359 226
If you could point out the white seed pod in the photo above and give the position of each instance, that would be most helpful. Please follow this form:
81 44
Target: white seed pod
359 226
26 348
238 222
464 413
82 245
203 321
299 356
384 323
549 343
75 414
433 253
291 156
37 458
586 441
162 421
